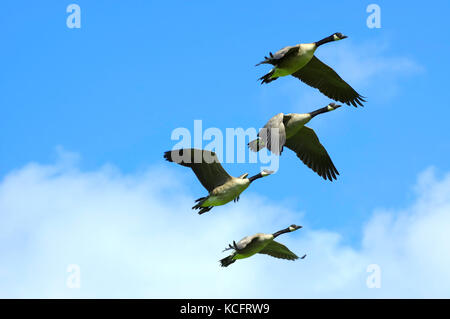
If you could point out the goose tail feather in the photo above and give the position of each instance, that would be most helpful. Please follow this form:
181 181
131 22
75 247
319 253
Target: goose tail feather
227 261
267 78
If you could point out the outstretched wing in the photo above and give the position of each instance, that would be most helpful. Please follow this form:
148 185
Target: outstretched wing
320 76
309 149
246 241
277 250
272 136
280 55
205 165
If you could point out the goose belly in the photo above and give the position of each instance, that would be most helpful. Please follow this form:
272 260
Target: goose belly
252 249
295 63
225 193
296 122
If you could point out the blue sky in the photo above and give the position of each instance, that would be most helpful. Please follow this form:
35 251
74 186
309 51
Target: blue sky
113 91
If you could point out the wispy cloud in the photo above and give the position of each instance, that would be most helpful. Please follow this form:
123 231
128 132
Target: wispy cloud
368 62
136 236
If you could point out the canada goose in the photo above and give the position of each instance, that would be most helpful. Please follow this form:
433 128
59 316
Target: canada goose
222 187
299 61
262 244
293 133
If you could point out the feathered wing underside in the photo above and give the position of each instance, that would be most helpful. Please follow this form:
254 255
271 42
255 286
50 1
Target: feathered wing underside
272 136
277 250
309 149
280 55
320 76
205 165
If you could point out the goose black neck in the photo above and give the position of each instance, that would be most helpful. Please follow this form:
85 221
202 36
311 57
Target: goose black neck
324 40
319 111
278 233
255 177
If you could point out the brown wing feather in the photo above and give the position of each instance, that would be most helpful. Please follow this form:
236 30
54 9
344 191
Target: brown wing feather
277 250
309 149
320 76
280 55
205 165
276 126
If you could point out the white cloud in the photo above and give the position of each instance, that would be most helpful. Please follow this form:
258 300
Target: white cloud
136 236
368 61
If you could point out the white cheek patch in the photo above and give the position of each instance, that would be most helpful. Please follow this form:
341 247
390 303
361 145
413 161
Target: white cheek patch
330 108
335 37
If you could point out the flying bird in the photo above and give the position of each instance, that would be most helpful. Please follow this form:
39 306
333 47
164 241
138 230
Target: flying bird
260 244
300 62
289 130
222 187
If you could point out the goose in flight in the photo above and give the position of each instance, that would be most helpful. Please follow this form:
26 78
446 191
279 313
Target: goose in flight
222 187
300 62
289 130
260 244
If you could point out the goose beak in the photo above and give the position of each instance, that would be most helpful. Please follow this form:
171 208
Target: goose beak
333 106
266 172
339 36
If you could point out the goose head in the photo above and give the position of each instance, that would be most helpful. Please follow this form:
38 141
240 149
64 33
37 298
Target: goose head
291 228
333 106
338 36
263 173
294 227
266 173
328 108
